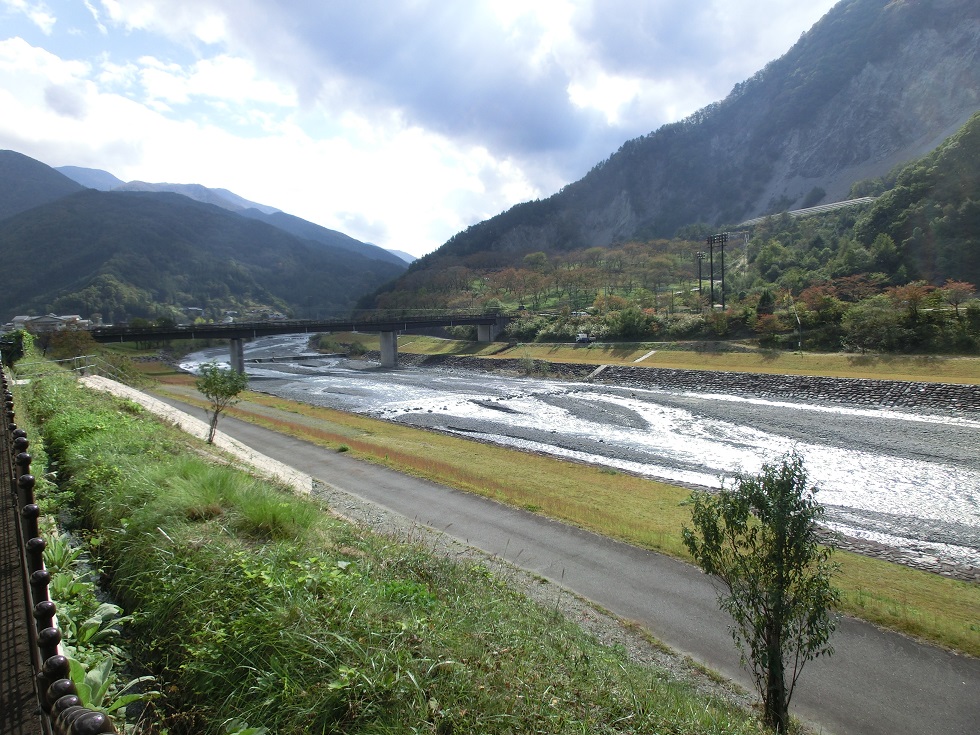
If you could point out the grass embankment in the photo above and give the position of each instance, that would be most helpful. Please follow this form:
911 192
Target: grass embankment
929 368
254 604
643 512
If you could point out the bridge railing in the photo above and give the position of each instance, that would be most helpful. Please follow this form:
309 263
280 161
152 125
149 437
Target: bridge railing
55 693
377 321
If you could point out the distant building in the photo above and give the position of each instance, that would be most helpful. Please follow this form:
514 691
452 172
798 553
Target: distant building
49 323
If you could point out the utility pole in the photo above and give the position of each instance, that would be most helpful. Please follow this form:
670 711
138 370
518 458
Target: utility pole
711 271
720 241
701 255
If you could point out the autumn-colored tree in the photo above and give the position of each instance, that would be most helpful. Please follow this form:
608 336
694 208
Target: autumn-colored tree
605 304
821 299
911 296
956 293
768 326
68 343
858 287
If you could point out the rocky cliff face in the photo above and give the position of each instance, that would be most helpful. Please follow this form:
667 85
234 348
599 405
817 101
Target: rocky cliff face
874 84
892 111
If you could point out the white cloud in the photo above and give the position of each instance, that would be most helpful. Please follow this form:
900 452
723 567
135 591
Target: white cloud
397 121
122 76
391 180
607 93
37 12
94 12
392 184
236 80
175 18
19 57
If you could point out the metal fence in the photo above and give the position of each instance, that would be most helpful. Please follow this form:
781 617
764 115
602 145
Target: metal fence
55 697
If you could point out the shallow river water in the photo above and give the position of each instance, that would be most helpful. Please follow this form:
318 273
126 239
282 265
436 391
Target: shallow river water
904 479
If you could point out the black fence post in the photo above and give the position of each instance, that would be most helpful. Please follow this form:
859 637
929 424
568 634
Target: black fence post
57 695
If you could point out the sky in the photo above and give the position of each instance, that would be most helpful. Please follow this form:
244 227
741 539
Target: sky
397 122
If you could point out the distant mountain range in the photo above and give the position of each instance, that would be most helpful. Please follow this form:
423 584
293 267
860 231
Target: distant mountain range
94 178
874 84
104 181
89 243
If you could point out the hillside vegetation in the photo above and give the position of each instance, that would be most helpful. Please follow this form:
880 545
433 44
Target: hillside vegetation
154 255
895 275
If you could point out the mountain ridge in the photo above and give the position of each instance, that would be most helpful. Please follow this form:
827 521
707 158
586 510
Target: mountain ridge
872 84
153 254
226 199
26 183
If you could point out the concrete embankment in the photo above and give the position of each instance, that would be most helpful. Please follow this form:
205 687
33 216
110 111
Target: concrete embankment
861 392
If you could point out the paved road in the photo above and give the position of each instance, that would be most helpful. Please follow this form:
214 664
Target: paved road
876 683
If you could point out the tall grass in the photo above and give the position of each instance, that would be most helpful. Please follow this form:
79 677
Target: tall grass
636 510
254 604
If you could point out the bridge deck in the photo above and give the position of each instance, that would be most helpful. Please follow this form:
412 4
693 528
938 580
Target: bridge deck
251 330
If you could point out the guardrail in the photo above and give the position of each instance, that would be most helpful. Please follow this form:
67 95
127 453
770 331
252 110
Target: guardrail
248 330
57 698
820 209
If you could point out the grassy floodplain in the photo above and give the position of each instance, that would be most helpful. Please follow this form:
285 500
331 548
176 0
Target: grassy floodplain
256 605
647 513
927 368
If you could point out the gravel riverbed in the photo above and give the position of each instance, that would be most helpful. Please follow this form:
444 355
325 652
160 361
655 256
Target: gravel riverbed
897 479
606 628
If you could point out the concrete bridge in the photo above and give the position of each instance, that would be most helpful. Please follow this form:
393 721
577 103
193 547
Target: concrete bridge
488 326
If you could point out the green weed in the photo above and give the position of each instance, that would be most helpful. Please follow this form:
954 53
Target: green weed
252 606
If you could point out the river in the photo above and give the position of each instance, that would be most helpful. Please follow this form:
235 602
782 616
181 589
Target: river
904 479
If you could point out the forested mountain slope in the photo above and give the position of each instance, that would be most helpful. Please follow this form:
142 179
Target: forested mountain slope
875 83
104 181
139 254
932 211
310 231
26 183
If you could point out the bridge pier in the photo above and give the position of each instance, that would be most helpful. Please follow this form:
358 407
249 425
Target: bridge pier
237 360
389 349
487 332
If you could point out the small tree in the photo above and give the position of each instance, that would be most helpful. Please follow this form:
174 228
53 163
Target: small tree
759 539
13 345
957 292
221 388
67 343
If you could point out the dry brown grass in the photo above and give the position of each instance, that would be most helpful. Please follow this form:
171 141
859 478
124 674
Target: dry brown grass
643 512
640 511
929 368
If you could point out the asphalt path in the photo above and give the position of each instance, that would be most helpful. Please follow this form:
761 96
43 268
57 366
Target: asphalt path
877 682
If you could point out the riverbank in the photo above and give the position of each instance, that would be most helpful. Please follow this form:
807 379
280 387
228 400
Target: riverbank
948 398
608 500
941 398
904 396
